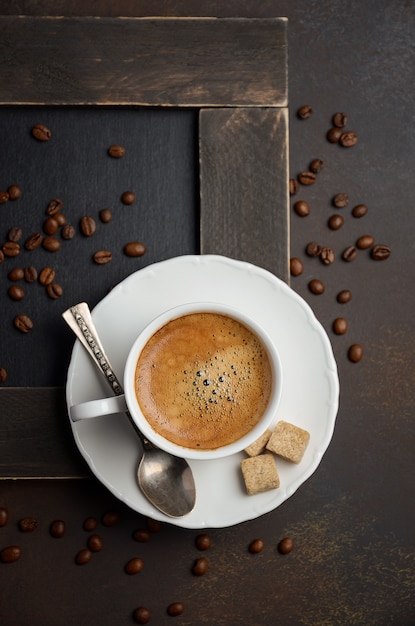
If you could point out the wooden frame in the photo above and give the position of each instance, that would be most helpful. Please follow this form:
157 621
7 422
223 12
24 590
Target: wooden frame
235 72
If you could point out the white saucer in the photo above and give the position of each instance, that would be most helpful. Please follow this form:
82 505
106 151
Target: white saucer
309 398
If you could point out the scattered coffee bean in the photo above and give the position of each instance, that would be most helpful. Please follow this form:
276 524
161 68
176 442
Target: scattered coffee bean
350 253
47 276
90 523
142 535
68 232
105 215
14 192
348 139
203 542
116 152
340 120
316 166
305 112
1 256
256 546
142 615
380 252
344 296
313 249
10 554
88 226
101 257
16 293
54 206
293 186
50 226
95 543
286 545
340 200
334 134
17 273
175 608
306 178
364 242
340 326
28 524
134 249
30 274
296 266
23 323
111 518
335 222
200 566
4 197
54 291
302 208
83 556
34 241
3 378
57 528
316 286
11 249
128 197
327 255
153 525
41 132
134 566
14 234
61 219
4 515
51 244
355 353
359 210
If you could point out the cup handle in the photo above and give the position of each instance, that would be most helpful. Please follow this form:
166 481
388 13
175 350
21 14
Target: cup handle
96 408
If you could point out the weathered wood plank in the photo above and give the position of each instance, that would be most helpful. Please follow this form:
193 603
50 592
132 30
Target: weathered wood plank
143 61
244 186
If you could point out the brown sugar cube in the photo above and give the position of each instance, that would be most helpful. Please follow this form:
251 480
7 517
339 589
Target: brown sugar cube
288 441
258 446
260 474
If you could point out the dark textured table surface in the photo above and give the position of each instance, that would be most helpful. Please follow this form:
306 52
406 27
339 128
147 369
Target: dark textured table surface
352 521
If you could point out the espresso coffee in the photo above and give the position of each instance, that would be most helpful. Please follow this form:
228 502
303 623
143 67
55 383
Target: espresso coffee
203 380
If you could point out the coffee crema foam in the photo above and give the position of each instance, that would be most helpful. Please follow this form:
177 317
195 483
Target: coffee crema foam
203 380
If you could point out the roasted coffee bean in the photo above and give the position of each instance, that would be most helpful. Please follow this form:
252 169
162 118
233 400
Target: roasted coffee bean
344 296
34 241
200 566
4 515
359 210
105 215
88 226
142 535
95 543
355 353
128 197
316 166
57 528
316 286
203 542
50 226
175 608
142 615
134 566
340 120
10 554
11 249
313 249
83 557
41 132
30 274
116 152
54 206
17 273
286 545
350 253
4 197
340 200
327 255
293 186
134 249
256 546
364 242
153 525
302 208
23 323
14 192
16 293
1 256
54 291
348 139
3 378
335 221
340 326
51 244
14 234
305 112
381 252
110 518
61 219
90 523
47 276
306 178
334 134
28 524
68 232
102 257
296 266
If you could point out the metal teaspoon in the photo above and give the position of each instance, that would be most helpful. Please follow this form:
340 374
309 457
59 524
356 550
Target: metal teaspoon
166 480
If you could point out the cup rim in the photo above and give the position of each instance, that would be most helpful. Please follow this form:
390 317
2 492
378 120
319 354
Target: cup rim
192 453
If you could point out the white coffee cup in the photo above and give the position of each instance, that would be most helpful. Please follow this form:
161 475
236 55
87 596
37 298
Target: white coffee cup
128 400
